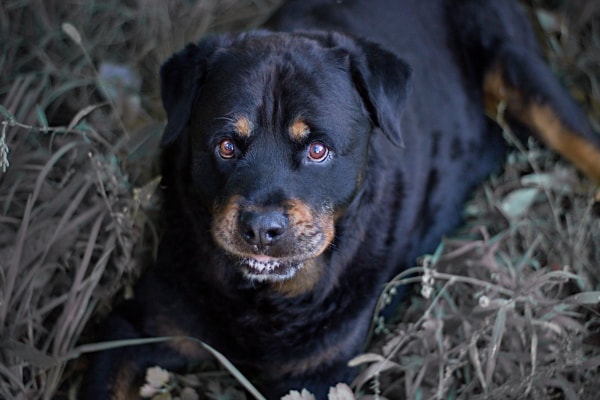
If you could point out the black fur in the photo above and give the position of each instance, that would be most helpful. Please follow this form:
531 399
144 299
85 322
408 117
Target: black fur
405 150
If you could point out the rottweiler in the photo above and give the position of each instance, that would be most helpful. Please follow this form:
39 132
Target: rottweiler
307 163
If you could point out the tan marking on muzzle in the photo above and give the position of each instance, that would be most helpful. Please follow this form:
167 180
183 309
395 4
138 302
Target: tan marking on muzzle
225 223
305 222
302 217
303 281
312 231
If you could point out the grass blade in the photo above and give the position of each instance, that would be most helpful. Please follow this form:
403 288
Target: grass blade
495 342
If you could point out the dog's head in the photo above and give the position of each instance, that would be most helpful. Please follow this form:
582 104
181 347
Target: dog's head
276 129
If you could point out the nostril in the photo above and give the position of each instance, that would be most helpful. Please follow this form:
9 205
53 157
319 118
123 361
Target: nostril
262 228
250 235
273 234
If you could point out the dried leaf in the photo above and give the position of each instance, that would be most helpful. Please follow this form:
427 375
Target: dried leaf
72 32
365 359
145 195
82 114
516 204
157 377
584 298
147 391
543 180
189 394
341 392
295 395
548 21
496 341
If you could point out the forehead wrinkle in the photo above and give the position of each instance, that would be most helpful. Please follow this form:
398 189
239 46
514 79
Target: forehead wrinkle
271 96
280 87
285 81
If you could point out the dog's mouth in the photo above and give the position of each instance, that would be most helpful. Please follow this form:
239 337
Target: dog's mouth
272 244
269 269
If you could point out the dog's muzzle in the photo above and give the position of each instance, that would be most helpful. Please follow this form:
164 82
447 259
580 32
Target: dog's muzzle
271 243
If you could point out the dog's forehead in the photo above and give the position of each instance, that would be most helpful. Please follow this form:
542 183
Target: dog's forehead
274 81
290 64
289 48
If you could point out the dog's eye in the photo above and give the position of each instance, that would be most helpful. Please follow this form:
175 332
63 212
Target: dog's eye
317 151
227 149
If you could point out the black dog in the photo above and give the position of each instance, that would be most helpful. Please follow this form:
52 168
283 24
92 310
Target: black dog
302 170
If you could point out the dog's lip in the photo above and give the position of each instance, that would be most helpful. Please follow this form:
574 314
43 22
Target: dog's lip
262 259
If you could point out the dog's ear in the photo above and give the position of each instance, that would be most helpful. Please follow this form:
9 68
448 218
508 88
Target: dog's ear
383 81
181 78
381 78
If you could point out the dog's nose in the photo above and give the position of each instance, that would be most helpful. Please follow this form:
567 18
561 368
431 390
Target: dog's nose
262 228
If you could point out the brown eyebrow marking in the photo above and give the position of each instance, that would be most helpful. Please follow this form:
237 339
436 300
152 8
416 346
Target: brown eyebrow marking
299 130
242 126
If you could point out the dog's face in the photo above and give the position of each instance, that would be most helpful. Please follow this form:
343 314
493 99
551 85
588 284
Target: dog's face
284 142
278 132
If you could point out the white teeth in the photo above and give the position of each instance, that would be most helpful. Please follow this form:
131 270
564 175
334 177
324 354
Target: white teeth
269 270
263 266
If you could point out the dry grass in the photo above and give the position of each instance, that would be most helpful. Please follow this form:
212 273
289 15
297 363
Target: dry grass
508 307
511 310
